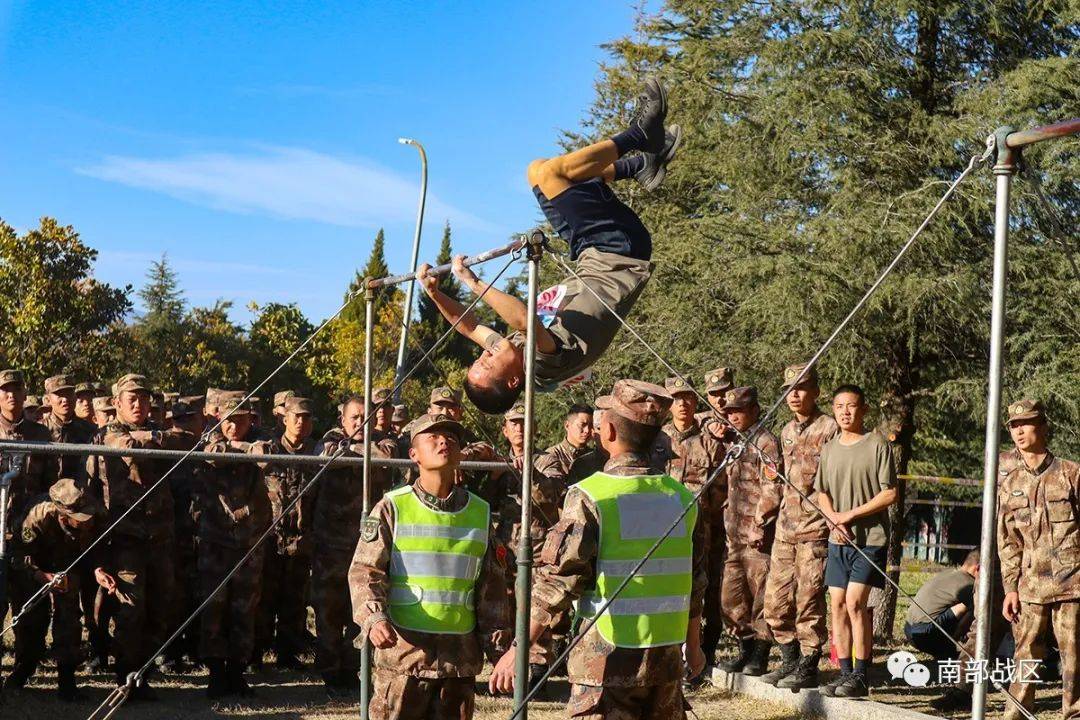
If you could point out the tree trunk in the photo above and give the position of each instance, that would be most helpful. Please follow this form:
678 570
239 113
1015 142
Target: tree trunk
898 426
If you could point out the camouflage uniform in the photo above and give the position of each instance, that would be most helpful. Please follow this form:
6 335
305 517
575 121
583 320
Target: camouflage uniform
691 456
1039 548
44 545
140 553
76 431
234 510
40 471
287 571
795 590
336 518
749 520
185 483
717 382
609 682
425 675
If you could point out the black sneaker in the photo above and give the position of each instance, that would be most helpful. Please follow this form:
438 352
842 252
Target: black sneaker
650 110
652 175
829 688
854 686
952 700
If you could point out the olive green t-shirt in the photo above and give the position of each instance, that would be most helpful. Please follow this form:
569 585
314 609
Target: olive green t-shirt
852 475
940 593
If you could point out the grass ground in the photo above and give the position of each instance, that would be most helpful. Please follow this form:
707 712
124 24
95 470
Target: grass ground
300 696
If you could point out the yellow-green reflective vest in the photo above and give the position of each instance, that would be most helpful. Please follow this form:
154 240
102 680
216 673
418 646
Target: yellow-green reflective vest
654 608
434 563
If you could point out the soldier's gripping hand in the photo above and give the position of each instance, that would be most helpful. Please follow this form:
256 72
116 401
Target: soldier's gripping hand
695 661
502 677
382 635
430 283
105 580
1011 607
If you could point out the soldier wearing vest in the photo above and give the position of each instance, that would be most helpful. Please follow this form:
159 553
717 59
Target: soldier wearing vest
630 663
427 588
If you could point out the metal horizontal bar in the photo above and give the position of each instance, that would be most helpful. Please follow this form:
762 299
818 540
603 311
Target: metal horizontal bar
444 269
1023 138
44 448
941 480
947 546
943 503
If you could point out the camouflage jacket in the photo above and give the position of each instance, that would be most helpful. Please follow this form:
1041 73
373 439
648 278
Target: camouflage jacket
292 536
546 492
234 504
1038 537
124 481
690 457
801 444
338 501
566 464
42 544
567 569
77 432
419 654
753 497
39 471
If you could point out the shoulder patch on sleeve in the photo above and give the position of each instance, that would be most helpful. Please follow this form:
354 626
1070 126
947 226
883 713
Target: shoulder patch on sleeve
369 529
28 535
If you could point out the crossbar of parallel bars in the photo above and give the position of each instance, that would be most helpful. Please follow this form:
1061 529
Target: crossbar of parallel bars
44 448
438 270
1023 138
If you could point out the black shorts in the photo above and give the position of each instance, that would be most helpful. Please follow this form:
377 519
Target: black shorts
845 565
590 215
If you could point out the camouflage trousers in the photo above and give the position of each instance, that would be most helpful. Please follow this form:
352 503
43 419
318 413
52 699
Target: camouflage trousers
407 697
145 599
227 626
334 627
541 652
795 594
1031 630
30 633
713 616
282 618
654 702
742 594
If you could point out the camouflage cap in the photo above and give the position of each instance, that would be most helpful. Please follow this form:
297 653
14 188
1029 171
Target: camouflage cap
73 502
85 388
131 382
279 399
678 386
445 396
430 422
157 399
7 377
213 396
380 395
740 398
181 409
791 372
235 405
515 413
32 401
399 414
197 402
299 406
638 401
171 397
103 403
59 382
719 380
1026 409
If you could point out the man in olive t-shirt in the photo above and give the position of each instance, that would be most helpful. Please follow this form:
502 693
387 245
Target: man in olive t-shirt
856 484
947 599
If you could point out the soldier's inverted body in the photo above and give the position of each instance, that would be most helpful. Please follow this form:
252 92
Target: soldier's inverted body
337 516
1039 548
234 511
753 501
691 456
630 663
427 589
140 547
795 589
282 619
56 529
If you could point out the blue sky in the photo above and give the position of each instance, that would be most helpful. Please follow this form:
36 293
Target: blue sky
256 143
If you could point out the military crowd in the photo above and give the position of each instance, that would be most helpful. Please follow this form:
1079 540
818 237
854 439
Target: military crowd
428 575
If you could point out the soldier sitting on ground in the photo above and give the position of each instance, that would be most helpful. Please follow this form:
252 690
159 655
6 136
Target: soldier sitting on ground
427 588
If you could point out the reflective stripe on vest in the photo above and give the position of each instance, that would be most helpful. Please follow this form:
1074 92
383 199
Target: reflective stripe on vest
435 560
634 511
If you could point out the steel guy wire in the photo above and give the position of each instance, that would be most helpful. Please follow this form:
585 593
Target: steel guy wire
116 698
745 439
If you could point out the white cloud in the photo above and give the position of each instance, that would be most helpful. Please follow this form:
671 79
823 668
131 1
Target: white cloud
284 182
